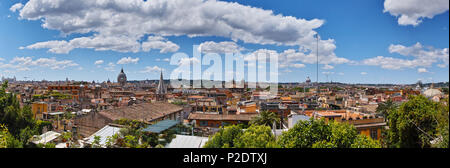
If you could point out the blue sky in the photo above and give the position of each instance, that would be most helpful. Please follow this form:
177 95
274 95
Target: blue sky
361 32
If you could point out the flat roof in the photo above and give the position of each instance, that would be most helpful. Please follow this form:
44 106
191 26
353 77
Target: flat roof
222 117
55 113
183 141
47 137
104 133
161 126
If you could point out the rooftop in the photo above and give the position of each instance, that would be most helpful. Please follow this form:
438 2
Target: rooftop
222 117
146 111
183 141
161 126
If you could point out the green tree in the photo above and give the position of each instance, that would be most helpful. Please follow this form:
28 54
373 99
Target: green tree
343 135
265 118
385 107
324 144
304 134
3 136
363 141
414 124
256 136
131 141
96 142
318 134
443 124
225 137
26 135
19 121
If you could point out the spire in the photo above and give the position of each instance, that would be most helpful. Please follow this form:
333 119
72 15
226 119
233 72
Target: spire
161 88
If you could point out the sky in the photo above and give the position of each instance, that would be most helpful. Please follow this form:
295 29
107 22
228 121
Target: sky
376 41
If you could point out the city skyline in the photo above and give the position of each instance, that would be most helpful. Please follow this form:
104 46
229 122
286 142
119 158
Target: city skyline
367 42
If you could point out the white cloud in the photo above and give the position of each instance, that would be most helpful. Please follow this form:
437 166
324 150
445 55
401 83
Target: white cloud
297 58
150 69
363 73
422 70
111 67
188 61
297 65
128 60
422 57
16 7
96 42
327 67
27 63
220 48
119 25
165 59
328 73
157 42
98 62
412 12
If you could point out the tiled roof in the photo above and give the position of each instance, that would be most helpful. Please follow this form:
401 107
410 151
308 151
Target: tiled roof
222 117
146 111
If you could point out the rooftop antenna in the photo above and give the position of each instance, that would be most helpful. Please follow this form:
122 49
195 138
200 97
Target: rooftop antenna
317 67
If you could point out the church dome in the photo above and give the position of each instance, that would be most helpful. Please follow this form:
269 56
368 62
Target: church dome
308 80
432 92
122 78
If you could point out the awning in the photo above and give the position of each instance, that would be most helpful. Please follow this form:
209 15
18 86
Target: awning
161 126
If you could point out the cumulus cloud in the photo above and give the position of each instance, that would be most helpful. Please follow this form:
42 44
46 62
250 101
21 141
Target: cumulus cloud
188 61
119 25
16 7
157 42
96 42
220 48
363 73
150 69
327 67
297 65
422 57
27 63
111 67
98 62
412 12
422 70
128 60
297 58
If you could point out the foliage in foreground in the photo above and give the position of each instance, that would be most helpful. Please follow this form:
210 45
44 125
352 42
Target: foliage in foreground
256 136
418 123
318 134
18 124
266 118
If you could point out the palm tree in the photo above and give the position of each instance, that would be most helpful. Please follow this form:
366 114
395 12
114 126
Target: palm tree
265 118
385 108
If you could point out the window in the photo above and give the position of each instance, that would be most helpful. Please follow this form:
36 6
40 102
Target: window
374 133
203 123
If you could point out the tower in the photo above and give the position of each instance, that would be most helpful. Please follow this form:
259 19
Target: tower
161 90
